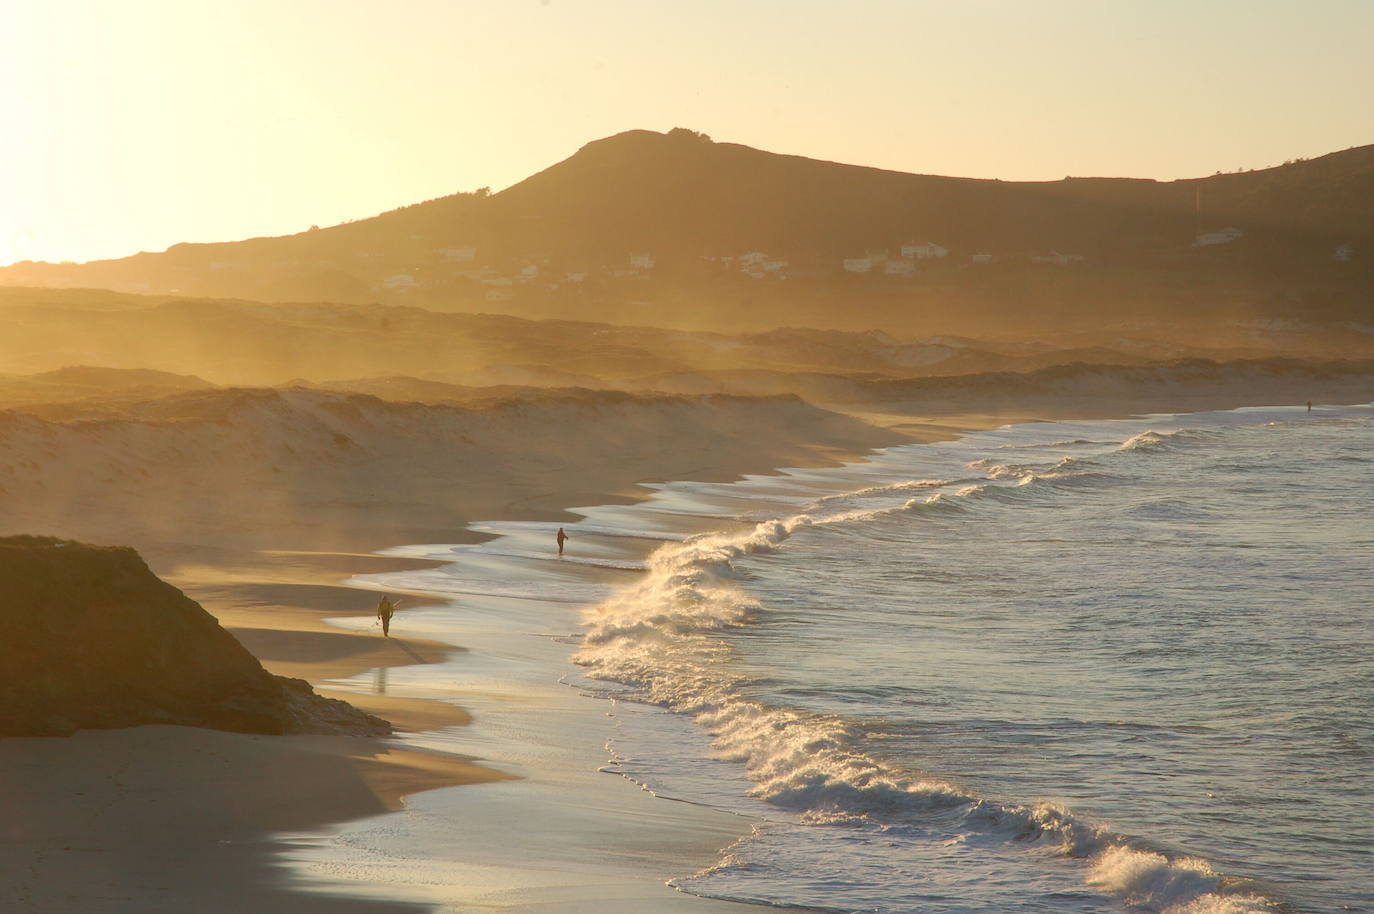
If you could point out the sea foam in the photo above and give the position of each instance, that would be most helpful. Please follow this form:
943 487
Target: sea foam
661 637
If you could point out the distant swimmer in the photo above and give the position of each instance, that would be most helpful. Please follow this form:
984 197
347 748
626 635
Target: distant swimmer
385 610
562 538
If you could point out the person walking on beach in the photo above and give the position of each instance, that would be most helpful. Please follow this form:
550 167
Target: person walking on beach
385 609
562 538
1309 406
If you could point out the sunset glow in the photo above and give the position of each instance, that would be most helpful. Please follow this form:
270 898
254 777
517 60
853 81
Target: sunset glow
143 124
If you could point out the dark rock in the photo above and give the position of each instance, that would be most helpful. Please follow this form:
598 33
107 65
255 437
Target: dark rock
93 639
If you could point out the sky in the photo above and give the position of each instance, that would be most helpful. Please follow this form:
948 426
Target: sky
136 124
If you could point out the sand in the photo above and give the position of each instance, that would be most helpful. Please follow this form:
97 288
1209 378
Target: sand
176 818
181 818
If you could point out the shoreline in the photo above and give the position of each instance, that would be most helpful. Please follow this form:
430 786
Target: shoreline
197 818
276 602
942 430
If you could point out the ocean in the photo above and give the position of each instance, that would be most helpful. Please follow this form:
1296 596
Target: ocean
1096 666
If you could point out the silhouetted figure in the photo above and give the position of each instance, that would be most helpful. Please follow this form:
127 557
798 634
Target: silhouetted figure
385 609
562 538
1309 406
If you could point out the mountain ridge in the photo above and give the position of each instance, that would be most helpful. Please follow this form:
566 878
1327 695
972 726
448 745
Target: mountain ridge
642 222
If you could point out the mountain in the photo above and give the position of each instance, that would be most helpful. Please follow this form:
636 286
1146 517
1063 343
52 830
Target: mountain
676 230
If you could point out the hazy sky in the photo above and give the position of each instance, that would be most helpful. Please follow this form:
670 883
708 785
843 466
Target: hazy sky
134 124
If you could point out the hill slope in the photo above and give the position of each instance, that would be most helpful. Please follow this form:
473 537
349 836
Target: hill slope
560 243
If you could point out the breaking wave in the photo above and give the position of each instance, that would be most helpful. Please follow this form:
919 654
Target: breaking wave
660 639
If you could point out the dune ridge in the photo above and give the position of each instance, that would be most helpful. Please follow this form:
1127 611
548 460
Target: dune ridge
305 469
229 342
1238 381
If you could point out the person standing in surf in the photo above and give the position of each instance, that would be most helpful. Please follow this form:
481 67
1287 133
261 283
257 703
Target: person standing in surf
562 538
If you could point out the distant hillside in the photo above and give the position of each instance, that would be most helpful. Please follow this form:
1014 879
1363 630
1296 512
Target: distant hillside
161 345
675 230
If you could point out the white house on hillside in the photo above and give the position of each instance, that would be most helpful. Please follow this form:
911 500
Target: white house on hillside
457 255
858 264
1344 252
980 258
1217 236
1058 259
899 267
761 268
926 250
642 261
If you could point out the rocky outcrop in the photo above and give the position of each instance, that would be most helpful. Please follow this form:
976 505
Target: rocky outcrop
93 639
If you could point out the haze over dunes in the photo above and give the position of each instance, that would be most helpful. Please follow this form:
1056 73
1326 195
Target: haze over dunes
147 419
182 344
265 468
676 230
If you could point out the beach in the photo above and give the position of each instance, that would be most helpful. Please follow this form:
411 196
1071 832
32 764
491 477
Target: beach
209 821
186 817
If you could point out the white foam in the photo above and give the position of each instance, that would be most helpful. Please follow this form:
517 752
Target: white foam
661 637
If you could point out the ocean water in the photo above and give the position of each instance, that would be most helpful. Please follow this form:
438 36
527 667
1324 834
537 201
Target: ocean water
1107 666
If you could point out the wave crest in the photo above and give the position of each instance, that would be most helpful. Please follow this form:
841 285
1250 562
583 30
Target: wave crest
661 638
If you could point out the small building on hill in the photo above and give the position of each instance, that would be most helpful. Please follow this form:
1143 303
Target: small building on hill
1217 236
858 264
1058 259
925 250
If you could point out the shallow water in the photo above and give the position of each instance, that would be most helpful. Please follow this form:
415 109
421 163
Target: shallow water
1092 666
